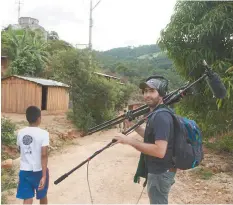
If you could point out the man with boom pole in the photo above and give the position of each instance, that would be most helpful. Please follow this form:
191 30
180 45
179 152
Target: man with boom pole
158 139
171 142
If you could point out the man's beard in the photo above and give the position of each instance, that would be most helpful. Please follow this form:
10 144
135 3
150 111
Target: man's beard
153 103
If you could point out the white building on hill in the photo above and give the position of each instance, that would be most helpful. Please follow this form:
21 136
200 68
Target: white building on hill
31 23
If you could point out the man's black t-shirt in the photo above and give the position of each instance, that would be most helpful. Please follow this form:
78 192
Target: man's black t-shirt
159 127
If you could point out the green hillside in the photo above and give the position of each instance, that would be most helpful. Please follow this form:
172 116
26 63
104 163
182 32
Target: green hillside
137 63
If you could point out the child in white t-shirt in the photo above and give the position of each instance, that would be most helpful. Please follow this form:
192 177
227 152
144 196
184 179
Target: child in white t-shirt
34 174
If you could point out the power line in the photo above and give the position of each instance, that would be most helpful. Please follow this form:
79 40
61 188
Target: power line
96 4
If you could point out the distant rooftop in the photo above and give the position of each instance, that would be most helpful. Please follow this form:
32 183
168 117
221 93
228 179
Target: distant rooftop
110 76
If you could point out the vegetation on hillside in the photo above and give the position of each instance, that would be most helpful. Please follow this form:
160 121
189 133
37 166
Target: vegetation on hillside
138 63
197 31
94 98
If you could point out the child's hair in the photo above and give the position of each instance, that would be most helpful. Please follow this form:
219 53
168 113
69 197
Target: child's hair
32 114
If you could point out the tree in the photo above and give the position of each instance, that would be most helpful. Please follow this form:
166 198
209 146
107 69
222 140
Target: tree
55 46
26 50
94 99
203 30
121 68
53 35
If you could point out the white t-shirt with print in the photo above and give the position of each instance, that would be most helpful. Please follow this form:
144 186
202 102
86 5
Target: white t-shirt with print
31 140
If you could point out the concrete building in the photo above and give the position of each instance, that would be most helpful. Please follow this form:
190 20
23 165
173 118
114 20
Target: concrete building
31 23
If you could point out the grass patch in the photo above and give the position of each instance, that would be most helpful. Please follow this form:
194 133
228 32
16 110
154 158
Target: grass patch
203 173
9 151
3 199
8 179
8 182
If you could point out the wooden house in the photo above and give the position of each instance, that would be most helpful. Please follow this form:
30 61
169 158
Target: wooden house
19 92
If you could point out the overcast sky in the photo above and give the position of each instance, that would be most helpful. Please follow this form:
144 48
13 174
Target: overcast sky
116 23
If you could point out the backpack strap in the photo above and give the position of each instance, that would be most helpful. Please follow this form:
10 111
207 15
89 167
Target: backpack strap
174 120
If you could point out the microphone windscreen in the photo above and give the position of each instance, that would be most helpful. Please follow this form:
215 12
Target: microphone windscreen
216 86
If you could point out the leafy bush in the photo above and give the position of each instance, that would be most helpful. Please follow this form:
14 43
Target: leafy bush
8 138
194 33
8 179
226 144
100 102
94 98
8 129
8 182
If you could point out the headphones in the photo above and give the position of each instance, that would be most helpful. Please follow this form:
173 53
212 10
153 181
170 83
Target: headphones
163 86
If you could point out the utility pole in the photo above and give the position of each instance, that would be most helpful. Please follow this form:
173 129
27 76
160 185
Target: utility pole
90 30
90 35
90 26
19 3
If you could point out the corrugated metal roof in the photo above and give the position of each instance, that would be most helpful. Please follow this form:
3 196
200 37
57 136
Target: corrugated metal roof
107 75
42 81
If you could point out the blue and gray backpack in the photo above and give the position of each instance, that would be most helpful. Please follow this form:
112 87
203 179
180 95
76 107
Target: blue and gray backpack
187 143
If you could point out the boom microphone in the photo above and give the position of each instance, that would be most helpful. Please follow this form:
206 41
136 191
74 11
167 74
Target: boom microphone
214 82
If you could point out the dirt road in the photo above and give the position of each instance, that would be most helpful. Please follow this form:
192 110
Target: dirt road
111 177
